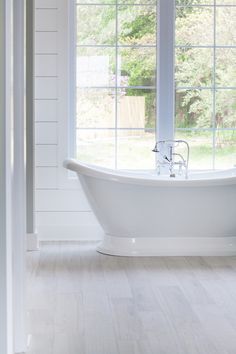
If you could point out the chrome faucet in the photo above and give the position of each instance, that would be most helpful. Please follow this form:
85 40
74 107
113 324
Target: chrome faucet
167 156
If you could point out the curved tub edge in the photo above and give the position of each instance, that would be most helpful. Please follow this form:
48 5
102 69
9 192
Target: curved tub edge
137 179
167 246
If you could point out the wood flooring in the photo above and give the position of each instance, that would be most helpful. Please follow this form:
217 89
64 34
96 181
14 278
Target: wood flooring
82 302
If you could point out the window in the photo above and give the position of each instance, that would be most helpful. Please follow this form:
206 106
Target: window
205 78
116 82
117 74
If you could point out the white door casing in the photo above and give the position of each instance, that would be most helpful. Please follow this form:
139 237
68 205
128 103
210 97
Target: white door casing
6 140
19 184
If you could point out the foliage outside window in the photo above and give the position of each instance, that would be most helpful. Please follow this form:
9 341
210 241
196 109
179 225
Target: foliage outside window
116 81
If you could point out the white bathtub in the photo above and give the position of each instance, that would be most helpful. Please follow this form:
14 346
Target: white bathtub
143 214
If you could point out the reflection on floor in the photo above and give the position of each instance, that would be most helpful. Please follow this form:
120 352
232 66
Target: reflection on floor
82 302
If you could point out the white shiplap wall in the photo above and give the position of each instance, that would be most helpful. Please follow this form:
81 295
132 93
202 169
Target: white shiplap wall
62 211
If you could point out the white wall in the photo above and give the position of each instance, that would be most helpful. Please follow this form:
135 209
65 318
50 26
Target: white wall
62 211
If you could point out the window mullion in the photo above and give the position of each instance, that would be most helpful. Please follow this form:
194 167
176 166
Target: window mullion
116 90
214 92
165 70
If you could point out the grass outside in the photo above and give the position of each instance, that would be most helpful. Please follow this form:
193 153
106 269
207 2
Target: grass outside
135 151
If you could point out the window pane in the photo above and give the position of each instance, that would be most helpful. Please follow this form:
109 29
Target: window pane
142 2
96 147
96 1
95 67
225 149
225 2
95 108
195 26
225 26
137 67
137 24
135 150
136 108
194 108
96 24
226 109
201 148
194 67
194 2
226 67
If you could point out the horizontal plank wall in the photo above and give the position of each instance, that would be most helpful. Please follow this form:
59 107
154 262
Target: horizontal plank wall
61 213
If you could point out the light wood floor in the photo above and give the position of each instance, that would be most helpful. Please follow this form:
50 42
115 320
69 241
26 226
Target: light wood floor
81 302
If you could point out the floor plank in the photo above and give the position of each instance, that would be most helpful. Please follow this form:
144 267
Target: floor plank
82 302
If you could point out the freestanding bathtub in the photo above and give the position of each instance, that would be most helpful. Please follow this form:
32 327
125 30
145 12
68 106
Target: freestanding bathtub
143 214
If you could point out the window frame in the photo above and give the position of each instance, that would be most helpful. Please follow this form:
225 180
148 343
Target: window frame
165 76
214 88
117 87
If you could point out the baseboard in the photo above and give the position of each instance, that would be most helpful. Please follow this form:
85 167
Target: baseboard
69 233
32 242
28 342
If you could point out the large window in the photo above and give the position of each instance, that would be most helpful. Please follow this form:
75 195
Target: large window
117 74
206 80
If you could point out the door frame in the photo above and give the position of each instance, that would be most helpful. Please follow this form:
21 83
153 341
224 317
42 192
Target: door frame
6 141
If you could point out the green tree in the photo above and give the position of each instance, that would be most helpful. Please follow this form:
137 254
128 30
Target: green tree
194 66
139 65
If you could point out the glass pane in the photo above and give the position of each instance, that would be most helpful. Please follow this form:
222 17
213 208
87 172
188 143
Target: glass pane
201 148
136 108
96 147
194 67
194 108
137 25
225 149
225 26
95 67
226 67
137 67
96 24
226 109
134 150
142 2
95 108
195 26
96 1
194 2
225 2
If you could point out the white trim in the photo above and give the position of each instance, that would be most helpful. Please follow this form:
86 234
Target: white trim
165 67
19 185
29 341
6 325
70 233
72 66
32 242
30 124
168 246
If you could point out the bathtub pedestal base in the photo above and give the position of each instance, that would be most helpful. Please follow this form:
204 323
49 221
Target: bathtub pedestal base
168 246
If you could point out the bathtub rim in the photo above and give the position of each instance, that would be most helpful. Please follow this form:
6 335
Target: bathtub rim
133 178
